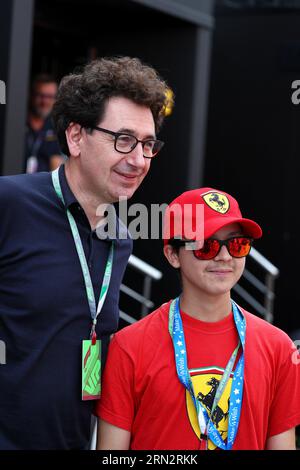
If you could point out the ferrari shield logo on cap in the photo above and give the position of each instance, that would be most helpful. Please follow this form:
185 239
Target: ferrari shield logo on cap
217 201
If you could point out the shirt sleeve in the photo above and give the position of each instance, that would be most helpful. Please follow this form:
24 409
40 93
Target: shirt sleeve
116 405
285 407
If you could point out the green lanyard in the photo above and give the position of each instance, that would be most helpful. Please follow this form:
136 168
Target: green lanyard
85 270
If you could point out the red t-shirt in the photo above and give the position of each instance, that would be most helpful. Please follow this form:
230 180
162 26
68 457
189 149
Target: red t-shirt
142 393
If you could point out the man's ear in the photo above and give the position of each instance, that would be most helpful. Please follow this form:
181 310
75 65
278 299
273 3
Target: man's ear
172 256
73 136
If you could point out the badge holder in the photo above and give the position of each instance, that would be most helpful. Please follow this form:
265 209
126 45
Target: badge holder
91 369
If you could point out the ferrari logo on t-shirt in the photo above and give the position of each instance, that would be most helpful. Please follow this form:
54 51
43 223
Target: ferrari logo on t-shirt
217 201
205 383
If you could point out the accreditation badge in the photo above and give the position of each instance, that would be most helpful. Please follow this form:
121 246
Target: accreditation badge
91 370
32 165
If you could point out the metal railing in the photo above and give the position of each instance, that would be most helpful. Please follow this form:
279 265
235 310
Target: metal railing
265 287
150 274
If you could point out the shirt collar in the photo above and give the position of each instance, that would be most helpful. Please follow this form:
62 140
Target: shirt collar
69 197
72 202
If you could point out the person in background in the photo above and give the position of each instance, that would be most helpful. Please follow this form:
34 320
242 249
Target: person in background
60 273
42 151
201 372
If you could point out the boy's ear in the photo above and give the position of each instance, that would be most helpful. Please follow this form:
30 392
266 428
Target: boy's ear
172 256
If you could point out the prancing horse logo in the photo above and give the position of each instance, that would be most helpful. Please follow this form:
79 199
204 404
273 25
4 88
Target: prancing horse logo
217 201
208 400
205 382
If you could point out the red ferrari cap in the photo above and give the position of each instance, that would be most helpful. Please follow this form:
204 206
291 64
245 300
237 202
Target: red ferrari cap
199 213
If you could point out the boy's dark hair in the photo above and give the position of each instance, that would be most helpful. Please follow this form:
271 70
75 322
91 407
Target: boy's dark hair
175 244
82 96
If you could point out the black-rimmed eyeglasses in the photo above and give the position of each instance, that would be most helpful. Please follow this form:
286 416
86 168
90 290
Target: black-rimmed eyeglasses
125 143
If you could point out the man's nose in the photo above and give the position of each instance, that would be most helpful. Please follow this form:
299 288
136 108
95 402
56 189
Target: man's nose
136 156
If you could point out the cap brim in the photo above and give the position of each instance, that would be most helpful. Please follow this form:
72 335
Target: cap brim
250 228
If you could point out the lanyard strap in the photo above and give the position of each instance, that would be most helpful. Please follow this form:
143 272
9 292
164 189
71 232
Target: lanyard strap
81 255
205 422
35 144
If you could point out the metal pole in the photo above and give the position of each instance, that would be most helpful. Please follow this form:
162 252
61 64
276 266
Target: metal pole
199 107
17 86
146 294
269 297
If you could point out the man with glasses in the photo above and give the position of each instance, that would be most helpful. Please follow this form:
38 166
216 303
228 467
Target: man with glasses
60 280
42 152
201 372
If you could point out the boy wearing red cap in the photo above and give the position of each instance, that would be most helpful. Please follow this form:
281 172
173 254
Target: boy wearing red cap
201 372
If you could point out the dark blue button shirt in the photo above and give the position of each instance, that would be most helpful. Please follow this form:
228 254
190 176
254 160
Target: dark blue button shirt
42 144
44 313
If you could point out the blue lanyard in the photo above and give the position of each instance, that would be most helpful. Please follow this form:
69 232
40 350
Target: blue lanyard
95 311
206 425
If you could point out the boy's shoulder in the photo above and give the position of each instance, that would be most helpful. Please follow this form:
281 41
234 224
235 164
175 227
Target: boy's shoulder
150 326
265 332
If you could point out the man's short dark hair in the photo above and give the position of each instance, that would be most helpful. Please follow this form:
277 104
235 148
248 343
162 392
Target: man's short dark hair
82 96
42 78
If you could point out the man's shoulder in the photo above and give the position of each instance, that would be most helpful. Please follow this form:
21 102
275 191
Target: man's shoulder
48 124
15 185
20 194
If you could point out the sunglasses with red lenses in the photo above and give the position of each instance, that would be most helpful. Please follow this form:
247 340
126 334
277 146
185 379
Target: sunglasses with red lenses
238 247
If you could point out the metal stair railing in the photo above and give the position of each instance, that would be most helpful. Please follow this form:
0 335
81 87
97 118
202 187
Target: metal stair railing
265 287
150 274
